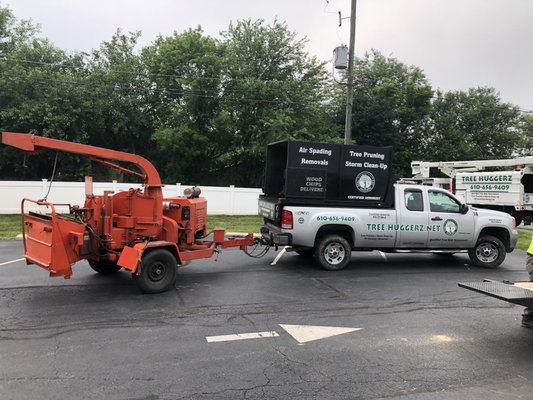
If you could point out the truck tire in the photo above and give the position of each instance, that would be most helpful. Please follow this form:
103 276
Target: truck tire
158 271
489 252
333 252
104 267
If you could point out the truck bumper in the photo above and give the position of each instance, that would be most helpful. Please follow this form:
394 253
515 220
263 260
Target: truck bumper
274 236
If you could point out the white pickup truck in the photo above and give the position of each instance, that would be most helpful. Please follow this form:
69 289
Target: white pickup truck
422 219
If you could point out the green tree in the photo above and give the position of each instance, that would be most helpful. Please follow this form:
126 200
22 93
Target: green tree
192 132
525 127
390 101
118 110
275 91
221 102
471 125
37 94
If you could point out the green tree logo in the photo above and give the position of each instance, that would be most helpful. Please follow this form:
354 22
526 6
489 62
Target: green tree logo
450 227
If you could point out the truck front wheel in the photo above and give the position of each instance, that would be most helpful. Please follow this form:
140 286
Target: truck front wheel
489 252
158 271
333 252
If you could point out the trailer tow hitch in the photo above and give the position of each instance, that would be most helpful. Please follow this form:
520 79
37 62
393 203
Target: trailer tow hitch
259 249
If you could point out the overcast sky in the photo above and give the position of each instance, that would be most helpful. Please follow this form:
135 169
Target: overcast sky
458 43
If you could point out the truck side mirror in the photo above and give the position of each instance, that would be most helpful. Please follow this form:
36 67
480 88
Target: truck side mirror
464 208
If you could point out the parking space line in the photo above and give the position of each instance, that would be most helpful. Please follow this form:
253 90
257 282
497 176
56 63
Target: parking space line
383 255
11 262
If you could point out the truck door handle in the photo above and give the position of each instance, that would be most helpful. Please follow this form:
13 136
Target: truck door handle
436 219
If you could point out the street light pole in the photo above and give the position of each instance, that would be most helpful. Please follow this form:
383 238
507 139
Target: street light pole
349 94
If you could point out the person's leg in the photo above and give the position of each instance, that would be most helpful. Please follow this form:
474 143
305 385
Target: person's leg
527 315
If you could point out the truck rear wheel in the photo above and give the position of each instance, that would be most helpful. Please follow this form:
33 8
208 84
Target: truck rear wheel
158 271
333 252
104 267
489 252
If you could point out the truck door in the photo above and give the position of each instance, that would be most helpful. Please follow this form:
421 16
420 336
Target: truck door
448 227
413 220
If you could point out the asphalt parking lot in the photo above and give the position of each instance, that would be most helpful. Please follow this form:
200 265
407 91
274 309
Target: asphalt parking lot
392 326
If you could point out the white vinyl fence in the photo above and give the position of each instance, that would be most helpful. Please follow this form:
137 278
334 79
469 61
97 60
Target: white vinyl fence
228 200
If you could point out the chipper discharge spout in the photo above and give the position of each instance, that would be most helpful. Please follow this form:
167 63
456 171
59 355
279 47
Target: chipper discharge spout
138 230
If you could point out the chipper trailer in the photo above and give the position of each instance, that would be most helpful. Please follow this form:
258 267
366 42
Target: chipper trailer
138 230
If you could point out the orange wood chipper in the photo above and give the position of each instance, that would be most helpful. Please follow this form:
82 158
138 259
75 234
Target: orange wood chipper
138 230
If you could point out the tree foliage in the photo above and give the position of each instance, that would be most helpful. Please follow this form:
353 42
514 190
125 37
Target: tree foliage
390 101
192 133
274 92
471 125
204 109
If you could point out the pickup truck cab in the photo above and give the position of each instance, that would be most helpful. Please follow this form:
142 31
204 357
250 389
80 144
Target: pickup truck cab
422 218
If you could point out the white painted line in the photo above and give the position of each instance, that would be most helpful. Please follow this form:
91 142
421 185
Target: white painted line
308 333
283 250
241 336
383 255
11 262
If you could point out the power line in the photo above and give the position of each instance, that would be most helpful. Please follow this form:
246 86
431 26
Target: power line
148 74
205 93
222 95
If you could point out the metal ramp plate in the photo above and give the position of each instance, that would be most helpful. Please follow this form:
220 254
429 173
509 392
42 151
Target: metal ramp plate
503 291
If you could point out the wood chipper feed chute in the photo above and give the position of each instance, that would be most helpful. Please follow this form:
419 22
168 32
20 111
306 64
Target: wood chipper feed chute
51 242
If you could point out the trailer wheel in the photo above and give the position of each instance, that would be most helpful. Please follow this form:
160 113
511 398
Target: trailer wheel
104 267
158 272
333 252
489 252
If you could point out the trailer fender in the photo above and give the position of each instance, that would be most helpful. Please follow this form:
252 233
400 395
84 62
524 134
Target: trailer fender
131 257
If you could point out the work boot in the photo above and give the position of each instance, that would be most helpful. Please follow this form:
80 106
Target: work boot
527 321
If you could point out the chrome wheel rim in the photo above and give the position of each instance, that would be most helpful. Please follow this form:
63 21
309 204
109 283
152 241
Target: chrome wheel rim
334 253
487 252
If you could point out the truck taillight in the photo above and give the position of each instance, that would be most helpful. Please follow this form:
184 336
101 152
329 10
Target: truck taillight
286 219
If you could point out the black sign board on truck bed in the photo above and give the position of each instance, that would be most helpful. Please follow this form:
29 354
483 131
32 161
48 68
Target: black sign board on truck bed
329 174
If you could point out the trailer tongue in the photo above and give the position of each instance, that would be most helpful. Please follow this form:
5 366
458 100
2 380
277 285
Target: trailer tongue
138 230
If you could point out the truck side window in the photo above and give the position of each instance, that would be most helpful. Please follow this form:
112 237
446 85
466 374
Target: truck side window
441 202
413 200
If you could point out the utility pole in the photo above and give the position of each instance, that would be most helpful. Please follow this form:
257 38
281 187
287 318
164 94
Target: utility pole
349 92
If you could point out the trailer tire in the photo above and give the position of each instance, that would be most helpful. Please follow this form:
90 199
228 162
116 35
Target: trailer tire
489 252
157 271
104 267
333 252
